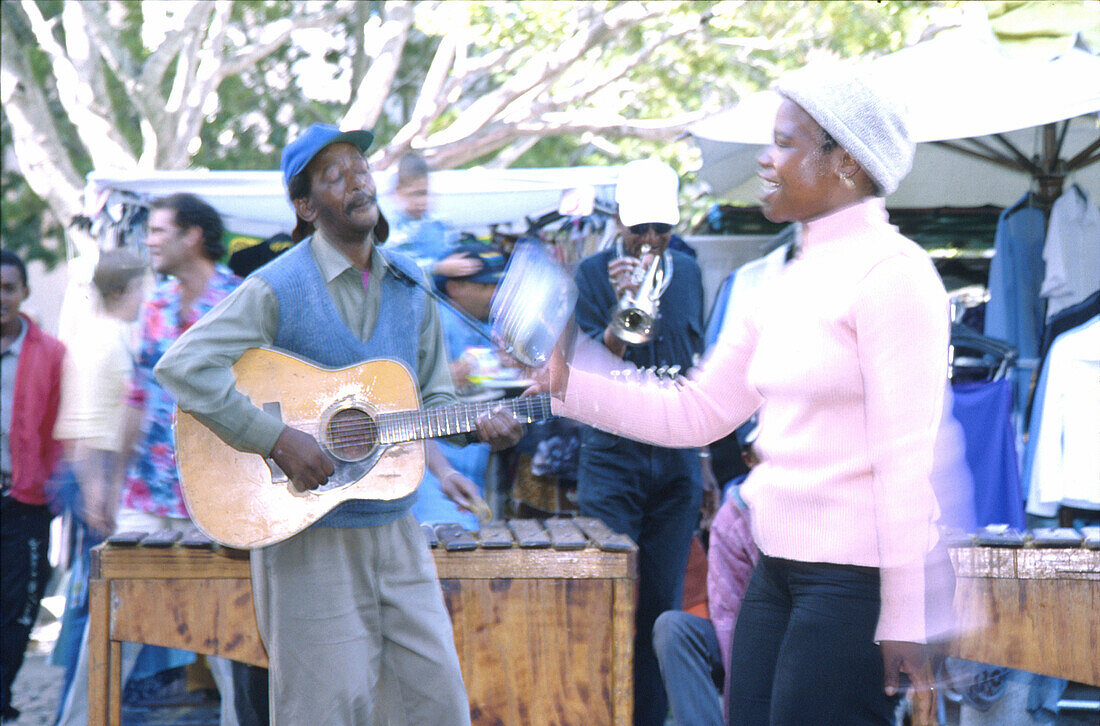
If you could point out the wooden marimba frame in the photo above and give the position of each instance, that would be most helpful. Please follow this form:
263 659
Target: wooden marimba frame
1040 608
543 635
547 636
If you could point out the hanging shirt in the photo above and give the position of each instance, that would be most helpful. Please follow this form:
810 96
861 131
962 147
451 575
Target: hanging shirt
1014 311
984 410
1071 251
1065 467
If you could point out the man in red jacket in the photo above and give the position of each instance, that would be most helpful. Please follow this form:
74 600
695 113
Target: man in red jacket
30 374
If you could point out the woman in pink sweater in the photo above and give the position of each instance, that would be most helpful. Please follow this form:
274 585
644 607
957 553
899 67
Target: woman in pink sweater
844 353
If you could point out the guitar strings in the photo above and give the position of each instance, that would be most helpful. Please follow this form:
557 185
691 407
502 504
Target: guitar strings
349 432
356 432
430 419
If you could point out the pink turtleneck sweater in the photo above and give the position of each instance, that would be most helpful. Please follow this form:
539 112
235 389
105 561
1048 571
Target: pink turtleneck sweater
845 354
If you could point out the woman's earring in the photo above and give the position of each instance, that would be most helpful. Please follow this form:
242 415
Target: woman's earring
848 181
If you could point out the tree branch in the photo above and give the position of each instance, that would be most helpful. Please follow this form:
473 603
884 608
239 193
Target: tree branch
509 154
156 65
79 99
592 82
581 121
430 100
78 47
541 71
276 34
119 61
360 61
498 134
174 152
43 160
389 40
486 140
114 54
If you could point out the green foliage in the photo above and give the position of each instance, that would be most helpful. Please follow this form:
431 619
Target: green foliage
1044 27
28 228
713 53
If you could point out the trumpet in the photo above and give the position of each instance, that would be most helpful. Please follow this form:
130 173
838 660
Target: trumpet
635 318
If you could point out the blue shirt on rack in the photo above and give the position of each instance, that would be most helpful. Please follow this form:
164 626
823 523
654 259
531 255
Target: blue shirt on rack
1015 309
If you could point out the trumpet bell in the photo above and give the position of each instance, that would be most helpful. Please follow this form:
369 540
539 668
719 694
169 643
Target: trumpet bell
633 326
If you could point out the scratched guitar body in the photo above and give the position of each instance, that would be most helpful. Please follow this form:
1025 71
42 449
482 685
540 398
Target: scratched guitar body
366 417
231 494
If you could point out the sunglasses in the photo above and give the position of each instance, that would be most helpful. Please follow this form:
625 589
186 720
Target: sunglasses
658 227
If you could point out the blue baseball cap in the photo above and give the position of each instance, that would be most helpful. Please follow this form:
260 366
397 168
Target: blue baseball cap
492 261
298 153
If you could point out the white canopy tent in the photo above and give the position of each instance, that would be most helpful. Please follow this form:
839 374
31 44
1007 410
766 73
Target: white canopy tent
986 124
255 202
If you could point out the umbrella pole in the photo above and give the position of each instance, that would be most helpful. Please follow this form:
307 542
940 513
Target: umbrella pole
1052 177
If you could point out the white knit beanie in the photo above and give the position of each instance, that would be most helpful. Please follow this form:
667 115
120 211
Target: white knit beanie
867 121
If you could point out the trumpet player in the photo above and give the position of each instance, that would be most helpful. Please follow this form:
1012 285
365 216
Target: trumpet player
645 302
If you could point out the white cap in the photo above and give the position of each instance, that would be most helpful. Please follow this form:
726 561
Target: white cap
648 191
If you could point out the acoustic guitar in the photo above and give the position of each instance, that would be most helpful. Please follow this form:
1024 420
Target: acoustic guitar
366 417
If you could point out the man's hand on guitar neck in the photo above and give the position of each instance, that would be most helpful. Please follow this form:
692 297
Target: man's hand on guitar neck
300 457
499 428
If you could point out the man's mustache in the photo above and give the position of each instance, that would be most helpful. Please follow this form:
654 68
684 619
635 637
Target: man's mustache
360 200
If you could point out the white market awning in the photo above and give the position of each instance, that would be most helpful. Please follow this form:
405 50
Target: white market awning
255 202
965 98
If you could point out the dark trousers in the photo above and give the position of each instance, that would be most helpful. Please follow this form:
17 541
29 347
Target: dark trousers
804 650
652 495
24 572
250 694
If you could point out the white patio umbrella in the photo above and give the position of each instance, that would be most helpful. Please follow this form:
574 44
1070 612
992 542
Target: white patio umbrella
987 125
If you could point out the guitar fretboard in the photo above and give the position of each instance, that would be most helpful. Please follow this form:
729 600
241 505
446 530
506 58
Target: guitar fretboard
400 426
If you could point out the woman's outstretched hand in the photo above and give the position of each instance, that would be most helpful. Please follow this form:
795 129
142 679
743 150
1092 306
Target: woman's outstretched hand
553 377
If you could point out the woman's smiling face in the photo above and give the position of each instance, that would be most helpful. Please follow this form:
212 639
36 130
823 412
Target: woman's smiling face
798 169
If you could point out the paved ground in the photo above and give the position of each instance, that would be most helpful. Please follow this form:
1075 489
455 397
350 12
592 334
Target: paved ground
37 690
37 687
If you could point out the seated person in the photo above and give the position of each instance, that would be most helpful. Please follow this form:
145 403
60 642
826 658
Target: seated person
456 474
692 651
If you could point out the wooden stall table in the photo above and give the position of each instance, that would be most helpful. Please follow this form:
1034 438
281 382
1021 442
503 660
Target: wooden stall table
1040 608
544 636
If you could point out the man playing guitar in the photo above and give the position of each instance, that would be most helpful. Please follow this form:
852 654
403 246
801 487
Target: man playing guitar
350 608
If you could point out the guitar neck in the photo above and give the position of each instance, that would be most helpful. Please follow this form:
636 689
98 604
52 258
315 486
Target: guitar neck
400 426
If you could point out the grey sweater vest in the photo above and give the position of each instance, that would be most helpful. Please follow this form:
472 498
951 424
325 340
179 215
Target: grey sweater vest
310 326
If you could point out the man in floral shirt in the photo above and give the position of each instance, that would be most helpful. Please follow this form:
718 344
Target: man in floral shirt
184 241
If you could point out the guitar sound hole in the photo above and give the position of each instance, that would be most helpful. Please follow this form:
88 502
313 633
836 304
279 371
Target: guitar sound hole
351 434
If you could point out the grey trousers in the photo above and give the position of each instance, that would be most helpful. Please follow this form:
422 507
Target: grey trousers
356 629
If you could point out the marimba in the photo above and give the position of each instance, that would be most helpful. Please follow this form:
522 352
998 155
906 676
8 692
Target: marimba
543 624
545 634
1040 608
